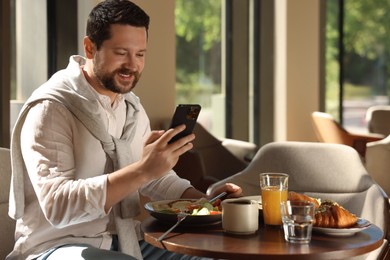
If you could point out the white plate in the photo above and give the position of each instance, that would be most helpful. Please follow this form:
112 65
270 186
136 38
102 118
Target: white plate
171 218
361 225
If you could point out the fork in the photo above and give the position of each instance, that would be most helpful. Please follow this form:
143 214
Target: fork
181 216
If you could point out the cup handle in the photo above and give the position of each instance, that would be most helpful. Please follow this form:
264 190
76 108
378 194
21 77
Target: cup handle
259 205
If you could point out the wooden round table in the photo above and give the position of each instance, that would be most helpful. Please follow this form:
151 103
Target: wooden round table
267 243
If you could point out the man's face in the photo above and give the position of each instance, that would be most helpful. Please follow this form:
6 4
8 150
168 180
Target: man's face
119 62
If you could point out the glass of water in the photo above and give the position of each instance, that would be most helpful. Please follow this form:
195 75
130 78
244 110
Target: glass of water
297 218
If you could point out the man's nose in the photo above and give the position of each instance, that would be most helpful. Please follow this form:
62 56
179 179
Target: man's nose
131 63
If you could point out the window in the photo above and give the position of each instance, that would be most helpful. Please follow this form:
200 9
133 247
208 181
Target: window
357 59
332 59
198 60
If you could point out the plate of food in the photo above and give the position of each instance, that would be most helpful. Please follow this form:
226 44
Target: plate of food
200 211
360 225
331 218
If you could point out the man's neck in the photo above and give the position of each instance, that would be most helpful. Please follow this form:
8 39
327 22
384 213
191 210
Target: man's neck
97 85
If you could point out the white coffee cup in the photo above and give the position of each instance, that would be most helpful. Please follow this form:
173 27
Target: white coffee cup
240 216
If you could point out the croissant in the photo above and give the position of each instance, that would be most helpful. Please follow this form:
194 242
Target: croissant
331 215
294 196
328 214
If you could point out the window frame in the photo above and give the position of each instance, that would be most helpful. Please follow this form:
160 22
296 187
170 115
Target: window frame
5 73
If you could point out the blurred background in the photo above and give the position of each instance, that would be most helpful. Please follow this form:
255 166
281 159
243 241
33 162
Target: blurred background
257 67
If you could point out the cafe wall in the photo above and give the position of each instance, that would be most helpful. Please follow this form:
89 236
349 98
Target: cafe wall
298 69
157 85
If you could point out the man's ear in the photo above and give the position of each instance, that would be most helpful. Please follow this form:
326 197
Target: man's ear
89 47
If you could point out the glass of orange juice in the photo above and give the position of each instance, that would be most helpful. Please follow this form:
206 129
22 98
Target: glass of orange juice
274 189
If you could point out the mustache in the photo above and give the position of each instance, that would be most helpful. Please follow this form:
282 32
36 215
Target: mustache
127 71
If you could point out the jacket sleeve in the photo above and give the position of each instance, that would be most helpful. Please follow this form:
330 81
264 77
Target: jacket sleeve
47 141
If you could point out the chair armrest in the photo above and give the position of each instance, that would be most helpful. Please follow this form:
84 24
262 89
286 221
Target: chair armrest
241 149
359 141
370 136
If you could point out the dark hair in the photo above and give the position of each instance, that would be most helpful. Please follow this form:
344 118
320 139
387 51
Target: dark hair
111 12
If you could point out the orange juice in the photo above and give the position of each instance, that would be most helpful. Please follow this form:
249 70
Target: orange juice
271 198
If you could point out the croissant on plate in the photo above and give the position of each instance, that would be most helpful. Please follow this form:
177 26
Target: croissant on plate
294 196
331 215
328 214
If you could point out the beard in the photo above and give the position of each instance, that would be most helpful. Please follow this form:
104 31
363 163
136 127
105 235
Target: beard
107 80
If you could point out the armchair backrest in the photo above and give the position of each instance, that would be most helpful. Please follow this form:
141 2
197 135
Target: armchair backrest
378 119
313 167
7 225
328 130
378 162
218 161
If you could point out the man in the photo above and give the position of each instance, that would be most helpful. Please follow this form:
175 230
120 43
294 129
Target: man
82 149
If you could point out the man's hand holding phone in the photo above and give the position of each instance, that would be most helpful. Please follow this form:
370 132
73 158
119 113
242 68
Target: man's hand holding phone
163 148
186 114
158 157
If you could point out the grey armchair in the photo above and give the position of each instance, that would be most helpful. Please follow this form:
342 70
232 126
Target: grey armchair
328 130
7 225
378 162
212 159
378 119
326 171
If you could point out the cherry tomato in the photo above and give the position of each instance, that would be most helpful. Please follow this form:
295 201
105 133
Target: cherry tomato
217 203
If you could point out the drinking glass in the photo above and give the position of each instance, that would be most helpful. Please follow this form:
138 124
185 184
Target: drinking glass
297 217
274 189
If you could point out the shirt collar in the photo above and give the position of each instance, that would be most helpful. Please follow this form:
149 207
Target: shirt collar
106 101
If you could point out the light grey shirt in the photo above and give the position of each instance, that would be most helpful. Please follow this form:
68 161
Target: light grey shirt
65 191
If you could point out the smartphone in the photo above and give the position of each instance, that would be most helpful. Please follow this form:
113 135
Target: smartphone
185 114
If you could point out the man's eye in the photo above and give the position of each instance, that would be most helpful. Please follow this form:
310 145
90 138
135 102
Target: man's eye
122 53
140 54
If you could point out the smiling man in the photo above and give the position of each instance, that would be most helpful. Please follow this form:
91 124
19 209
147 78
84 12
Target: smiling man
118 68
82 150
